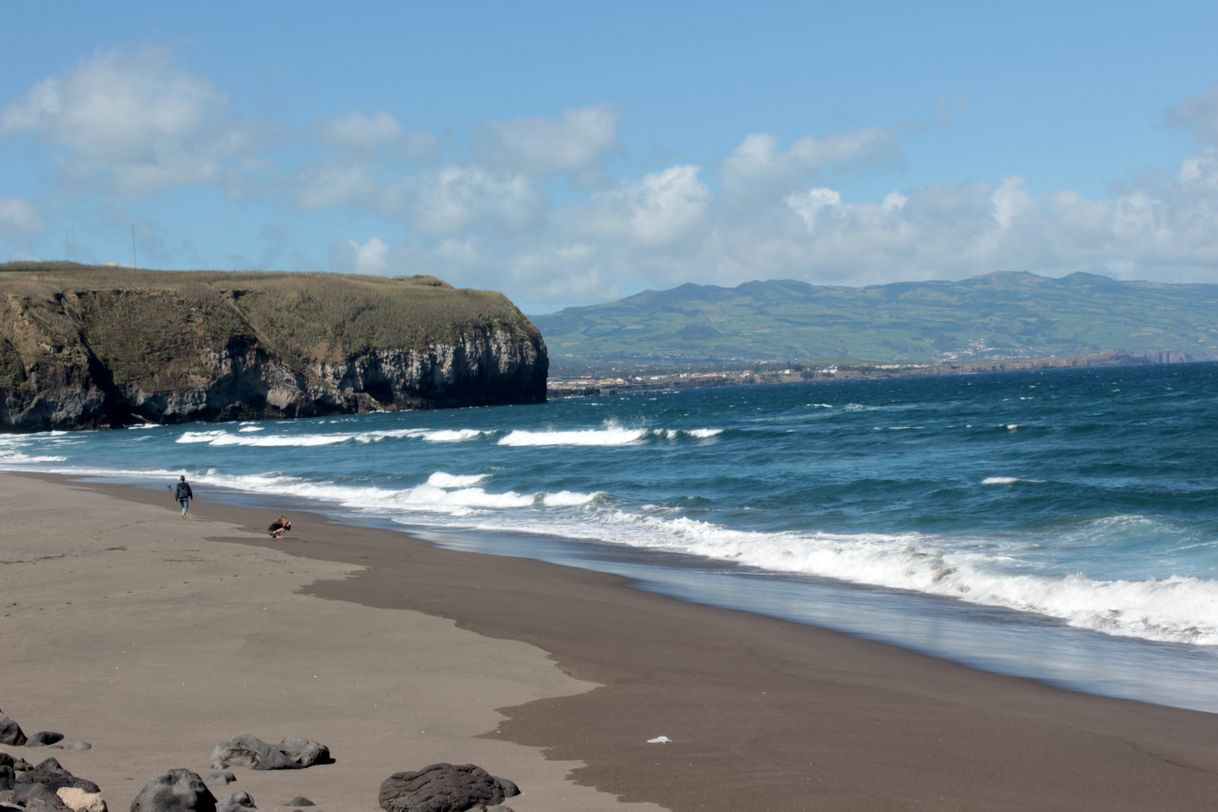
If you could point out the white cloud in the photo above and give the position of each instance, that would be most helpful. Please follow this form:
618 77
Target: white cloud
462 197
361 130
368 257
758 164
1201 171
809 203
659 209
18 218
575 140
1011 202
1199 114
380 130
131 120
336 184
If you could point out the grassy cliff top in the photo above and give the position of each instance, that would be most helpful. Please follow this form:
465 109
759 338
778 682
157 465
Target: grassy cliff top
148 324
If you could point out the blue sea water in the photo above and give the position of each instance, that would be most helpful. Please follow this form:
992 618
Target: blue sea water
1057 524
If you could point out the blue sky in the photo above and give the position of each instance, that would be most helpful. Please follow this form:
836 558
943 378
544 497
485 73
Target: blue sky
573 153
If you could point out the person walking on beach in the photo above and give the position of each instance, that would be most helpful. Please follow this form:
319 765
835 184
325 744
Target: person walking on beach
183 494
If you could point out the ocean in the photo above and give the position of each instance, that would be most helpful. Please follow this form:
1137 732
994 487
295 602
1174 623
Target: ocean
1060 525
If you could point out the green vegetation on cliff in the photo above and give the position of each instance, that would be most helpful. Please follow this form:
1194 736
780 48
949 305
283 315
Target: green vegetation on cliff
250 344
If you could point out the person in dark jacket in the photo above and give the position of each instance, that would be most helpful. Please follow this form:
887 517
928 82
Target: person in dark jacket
183 494
279 527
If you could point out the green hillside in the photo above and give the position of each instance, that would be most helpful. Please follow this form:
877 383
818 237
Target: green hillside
1002 315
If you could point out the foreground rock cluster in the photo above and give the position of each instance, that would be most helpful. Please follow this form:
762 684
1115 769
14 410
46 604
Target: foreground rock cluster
48 787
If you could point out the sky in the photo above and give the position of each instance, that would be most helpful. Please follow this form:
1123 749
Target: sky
575 153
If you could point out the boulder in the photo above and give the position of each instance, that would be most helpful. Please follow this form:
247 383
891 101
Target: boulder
219 778
80 801
11 732
300 800
249 751
43 738
444 788
237 802
52 775
175 791
38 798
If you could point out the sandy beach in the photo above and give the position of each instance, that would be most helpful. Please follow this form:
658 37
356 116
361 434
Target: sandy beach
155 639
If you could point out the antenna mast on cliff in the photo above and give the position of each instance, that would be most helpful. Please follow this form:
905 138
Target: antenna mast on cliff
134 260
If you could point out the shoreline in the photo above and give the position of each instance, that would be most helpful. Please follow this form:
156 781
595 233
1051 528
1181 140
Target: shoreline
762 713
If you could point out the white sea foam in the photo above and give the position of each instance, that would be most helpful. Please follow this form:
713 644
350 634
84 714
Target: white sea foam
608 436
249 429
225 438
450 435
1175 609
18 458
1006 480
567 499
442 480
583 437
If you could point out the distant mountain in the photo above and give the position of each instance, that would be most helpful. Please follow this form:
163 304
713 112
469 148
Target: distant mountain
999 315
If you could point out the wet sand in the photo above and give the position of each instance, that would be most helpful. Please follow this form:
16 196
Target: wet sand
397 654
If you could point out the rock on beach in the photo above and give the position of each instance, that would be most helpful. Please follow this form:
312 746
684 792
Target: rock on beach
444 787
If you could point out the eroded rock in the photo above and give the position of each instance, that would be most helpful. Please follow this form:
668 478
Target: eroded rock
237 802
291 753
11 732
43 738
444 787
80 801
175 791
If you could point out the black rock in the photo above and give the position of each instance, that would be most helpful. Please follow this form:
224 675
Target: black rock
300 801
237 802
53 776
38 798
444 788
11 732
44 737
175 791
249 751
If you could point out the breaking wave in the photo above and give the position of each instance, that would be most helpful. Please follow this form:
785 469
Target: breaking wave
609 436
241 438
1173 609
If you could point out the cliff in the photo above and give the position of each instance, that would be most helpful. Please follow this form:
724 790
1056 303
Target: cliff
83 346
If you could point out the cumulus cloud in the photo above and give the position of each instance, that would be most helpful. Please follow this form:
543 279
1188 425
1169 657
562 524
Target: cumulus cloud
659 209
759 165
130 119
1198 114
380 130
368 257
461 197
18 218
573 141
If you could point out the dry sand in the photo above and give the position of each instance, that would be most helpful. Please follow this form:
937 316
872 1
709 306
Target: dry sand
137 632
155 639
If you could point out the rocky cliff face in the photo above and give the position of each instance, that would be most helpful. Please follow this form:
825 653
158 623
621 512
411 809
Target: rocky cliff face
177 347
